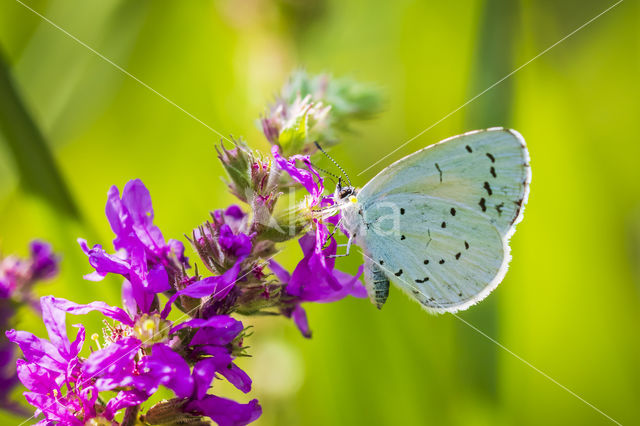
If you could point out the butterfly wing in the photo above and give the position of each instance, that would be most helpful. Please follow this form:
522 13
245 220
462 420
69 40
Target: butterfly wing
485 170
456 204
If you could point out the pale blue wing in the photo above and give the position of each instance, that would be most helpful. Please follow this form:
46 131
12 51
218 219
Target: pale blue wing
458 202
486 170
445 261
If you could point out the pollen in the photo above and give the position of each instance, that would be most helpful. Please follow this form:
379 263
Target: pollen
148 325
353 199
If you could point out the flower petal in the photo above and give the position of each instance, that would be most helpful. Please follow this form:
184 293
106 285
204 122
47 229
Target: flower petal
304 177
203 373
125 398
216 287
158 280
280 273
299 316
113 312
55 322
35 377
169 369
102 262
236 376
137 200
219 330
115 359
38 350
225 412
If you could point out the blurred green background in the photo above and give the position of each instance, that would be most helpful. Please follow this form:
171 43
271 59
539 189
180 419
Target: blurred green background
570 304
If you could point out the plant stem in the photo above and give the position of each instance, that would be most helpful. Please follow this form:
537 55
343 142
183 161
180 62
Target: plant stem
131 416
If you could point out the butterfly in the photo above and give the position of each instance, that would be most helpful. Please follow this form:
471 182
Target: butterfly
437 223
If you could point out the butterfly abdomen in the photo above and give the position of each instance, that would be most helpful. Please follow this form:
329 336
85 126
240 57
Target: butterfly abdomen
377 284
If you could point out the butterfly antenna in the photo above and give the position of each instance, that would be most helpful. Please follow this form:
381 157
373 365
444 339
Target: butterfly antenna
333 161
325 171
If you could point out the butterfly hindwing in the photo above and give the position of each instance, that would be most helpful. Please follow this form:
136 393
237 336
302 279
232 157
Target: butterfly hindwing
443 254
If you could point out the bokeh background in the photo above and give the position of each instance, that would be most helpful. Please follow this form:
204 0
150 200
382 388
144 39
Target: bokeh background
570 304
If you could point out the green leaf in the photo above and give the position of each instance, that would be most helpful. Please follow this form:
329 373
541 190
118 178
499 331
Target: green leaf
33 159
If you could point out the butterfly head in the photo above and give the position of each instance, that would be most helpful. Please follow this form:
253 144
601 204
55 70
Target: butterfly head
345 193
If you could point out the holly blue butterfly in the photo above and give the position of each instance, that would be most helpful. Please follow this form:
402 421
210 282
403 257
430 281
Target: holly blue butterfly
437 223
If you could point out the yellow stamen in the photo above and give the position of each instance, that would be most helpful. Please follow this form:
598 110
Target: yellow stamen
148 325
95 338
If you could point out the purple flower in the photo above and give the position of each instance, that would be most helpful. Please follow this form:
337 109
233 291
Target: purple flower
139 352
145 260
17 276
310 179
8 376
315 280
131 219
145 283
44 263
53 373
225 412
224 240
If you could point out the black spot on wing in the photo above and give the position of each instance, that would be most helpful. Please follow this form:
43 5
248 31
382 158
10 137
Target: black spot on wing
443 225
469 150
483 204
453 211
441 261
493 172
397 274
402 237
488 188
499 208
439 171
381 262
424 280
466 245
426 261
491 157
401 211
458 255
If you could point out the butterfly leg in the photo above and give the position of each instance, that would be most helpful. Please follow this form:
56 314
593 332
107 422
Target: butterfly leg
348 245
335 228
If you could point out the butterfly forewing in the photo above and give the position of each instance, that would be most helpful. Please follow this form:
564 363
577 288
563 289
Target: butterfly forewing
457 203
487 171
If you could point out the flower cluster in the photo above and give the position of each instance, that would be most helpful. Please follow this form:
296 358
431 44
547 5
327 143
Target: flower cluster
17 278
177 327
